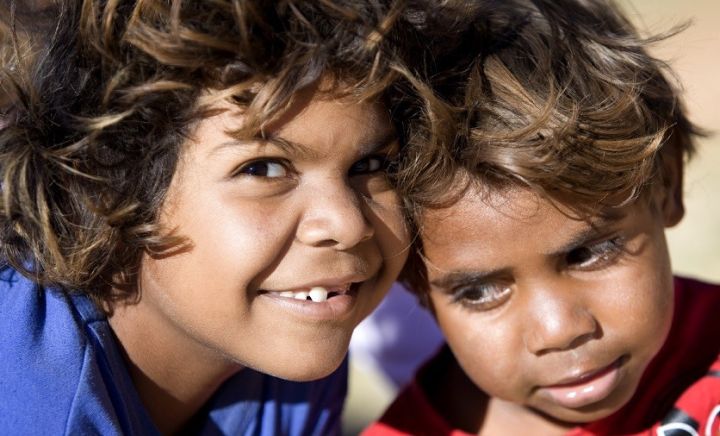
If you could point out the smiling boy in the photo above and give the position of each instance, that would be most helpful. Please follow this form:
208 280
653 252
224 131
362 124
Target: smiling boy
196 196
544 257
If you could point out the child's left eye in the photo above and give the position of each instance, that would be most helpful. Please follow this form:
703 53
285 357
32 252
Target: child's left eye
369 164
595 255
263 168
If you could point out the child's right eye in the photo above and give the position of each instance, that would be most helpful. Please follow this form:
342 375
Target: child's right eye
263 168
370 164
481 296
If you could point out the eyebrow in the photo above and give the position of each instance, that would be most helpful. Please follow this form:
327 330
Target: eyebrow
367 146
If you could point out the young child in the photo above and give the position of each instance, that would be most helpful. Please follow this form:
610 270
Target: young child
194 210
542 237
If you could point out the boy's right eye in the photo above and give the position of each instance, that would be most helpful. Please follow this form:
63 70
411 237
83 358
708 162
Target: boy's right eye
263 168
370 164
483 296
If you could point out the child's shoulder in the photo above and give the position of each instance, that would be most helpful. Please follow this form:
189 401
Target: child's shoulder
413 412
58 360
698 288
697 304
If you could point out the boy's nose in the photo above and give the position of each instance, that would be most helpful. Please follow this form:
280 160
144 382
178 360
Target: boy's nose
334 218
559 323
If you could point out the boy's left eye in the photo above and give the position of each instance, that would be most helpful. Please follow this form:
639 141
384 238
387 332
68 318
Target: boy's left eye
369 164
596 255
481 296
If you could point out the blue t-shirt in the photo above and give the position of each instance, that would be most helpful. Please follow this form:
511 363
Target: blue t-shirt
62 372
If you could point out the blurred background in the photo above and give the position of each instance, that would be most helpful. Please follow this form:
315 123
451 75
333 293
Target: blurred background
694 244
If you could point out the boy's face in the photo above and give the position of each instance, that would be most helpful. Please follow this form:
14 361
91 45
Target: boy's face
546 312
294 240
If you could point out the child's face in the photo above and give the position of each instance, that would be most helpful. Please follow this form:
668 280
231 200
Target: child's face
547 312
294 239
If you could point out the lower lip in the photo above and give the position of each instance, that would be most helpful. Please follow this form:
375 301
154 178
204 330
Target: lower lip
334 308
588 391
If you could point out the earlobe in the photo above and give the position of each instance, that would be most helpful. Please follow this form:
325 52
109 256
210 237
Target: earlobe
672 205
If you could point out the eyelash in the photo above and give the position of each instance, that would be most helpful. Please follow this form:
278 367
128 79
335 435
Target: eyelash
595 256
490 295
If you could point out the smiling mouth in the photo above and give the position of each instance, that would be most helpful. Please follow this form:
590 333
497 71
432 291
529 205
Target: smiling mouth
316 294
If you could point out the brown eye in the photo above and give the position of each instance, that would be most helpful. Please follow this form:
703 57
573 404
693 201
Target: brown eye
579 256
481 296
595 255
263 168
369 164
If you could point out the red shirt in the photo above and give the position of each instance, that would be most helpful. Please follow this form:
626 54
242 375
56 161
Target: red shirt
679 392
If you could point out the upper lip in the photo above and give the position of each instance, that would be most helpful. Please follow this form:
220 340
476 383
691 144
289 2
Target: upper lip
579 376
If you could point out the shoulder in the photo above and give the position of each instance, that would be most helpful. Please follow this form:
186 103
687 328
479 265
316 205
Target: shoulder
695 345
696 321
692 345
255 403
698 408
412 412
54 374
42 353
696 292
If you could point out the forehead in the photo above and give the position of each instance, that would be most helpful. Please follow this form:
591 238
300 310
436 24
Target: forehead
499 228
485 211
312 117
323 110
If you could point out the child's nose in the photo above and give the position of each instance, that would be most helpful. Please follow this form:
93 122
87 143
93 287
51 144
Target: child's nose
559 323
334 218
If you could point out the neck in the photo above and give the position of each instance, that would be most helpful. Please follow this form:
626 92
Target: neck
174 379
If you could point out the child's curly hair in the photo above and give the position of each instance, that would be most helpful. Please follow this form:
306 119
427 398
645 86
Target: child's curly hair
100 94
558 96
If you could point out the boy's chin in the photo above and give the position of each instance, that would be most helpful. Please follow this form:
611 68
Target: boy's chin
306 362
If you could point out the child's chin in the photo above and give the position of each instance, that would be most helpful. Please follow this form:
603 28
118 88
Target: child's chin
309 371
312 362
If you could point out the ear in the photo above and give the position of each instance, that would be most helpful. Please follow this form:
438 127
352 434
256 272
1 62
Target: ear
671 167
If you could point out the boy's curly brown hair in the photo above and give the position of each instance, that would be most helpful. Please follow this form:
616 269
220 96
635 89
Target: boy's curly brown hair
558 96
100 94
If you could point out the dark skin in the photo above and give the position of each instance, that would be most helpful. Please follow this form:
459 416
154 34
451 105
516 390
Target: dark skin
552 319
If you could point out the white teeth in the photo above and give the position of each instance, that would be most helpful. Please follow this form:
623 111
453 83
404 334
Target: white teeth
318 294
